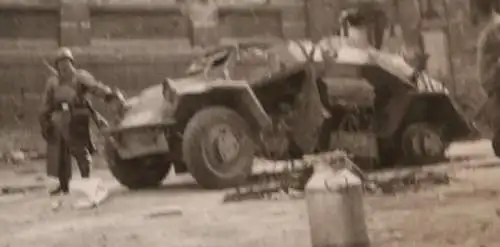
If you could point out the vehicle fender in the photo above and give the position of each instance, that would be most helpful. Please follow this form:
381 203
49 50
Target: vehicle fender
434 108
239 98
391 114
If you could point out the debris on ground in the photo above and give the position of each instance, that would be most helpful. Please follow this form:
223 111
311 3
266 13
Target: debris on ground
84 204
56 205
291 180
412 181
21 156
85 194
93 190
8 190
272 185
15 157
163 212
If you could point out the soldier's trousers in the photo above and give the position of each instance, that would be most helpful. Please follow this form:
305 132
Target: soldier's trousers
82 158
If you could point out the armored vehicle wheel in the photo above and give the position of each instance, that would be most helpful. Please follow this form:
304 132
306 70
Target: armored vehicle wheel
422 144
217 148
138 173
495 143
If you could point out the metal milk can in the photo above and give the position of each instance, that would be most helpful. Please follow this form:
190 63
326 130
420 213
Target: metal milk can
335 208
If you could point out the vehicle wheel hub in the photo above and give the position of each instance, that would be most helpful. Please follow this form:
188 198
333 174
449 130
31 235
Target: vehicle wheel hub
431 144
426 144
415 145
226 143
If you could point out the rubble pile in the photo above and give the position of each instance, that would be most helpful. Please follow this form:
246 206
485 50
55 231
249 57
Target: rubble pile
412 181
272 184
289 181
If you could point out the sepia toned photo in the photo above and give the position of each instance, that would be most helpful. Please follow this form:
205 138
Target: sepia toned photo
252 123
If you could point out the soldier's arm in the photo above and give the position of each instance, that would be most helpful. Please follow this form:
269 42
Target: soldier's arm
487 59
94 87
480 49
95 115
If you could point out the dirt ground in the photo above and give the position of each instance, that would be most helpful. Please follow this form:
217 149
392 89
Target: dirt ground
464 213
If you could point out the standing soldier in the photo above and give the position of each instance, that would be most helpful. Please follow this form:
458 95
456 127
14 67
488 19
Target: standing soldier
488 51
65 119
488 68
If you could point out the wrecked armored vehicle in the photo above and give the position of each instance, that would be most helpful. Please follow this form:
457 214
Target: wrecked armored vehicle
415 119
279 101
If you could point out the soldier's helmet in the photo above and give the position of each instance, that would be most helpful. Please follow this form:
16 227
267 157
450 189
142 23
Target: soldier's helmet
64 53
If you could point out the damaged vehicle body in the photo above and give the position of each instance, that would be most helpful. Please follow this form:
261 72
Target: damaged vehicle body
413 117
280 101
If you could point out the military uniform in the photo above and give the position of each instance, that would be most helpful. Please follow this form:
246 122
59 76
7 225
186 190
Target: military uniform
65 117
488 72
488 54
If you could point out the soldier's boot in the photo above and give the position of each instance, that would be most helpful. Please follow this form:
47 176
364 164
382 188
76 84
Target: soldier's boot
56 191
62 188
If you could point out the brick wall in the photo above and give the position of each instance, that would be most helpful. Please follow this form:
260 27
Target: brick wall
136 43
127 43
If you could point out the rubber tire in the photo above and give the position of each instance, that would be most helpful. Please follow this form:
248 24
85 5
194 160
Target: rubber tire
495 143
413 158
137 173
193 150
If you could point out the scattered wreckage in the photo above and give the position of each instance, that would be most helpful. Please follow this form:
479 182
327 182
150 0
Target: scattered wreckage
281 101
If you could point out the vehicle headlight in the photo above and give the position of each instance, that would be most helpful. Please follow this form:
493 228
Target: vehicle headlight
141 138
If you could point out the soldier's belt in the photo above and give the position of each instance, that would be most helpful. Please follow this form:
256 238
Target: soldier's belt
70 108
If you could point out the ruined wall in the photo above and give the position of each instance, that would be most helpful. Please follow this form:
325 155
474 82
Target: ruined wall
454 19
135 43
463 34
127 43
463 41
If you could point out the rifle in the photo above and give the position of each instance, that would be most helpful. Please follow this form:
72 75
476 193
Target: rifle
51 69
95 114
